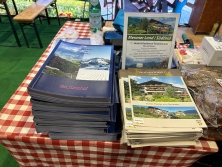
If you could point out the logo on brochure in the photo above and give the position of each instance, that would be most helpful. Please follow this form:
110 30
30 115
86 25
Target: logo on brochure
199 122
138 121
136 142
130 125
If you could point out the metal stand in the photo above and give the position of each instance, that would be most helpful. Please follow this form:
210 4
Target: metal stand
84 9
54 6
11 23
22 25
33 24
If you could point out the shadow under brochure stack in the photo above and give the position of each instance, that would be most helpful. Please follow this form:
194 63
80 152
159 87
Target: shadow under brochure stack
74 94
157 109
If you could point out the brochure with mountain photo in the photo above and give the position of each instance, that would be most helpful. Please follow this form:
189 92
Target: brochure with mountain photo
163 101
74 71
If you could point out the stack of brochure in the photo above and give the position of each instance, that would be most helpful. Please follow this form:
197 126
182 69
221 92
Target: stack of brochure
157 109
74 94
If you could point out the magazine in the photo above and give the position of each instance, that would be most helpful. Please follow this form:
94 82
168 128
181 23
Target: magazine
76 72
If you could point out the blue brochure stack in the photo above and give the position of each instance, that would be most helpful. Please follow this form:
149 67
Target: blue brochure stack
74 95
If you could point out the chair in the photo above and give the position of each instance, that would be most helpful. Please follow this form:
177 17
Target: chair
106 3
84 8
54 6
27 17
5 7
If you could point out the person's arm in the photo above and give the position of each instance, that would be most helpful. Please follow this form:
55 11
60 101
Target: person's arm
179 6
164 6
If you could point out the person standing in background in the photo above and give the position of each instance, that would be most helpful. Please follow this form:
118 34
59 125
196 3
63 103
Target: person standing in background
161 5
179 4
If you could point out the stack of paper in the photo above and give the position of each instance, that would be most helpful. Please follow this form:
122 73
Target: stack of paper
157 109
74 94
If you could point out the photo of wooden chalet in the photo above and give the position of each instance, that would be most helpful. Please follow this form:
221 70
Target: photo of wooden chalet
160 28
153 86
162 113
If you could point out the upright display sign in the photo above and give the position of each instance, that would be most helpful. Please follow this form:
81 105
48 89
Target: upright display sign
149 40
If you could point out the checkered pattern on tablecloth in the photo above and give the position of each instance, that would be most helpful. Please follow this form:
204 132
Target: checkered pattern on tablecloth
41 151
18 135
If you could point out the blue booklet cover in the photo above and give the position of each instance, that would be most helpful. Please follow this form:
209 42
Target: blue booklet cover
84 116
76 72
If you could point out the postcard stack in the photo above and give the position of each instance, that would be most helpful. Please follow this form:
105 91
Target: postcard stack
74 95
157 109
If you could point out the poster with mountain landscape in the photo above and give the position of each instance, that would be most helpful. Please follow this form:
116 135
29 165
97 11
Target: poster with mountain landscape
162 101
76 71
149 40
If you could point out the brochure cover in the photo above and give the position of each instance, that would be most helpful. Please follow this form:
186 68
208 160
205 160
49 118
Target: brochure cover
149 40
47 98
128 120
74 71
163 101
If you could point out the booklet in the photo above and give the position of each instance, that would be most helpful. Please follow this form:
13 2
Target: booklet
76 72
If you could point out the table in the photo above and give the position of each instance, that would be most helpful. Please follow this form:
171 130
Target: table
19 137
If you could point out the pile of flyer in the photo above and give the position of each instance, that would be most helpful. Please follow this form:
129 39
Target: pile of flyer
157 109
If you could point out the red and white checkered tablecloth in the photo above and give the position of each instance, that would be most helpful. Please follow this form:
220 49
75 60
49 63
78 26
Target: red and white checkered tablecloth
18 135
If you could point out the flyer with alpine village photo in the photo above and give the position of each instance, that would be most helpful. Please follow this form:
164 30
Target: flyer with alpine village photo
162 101
149 40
